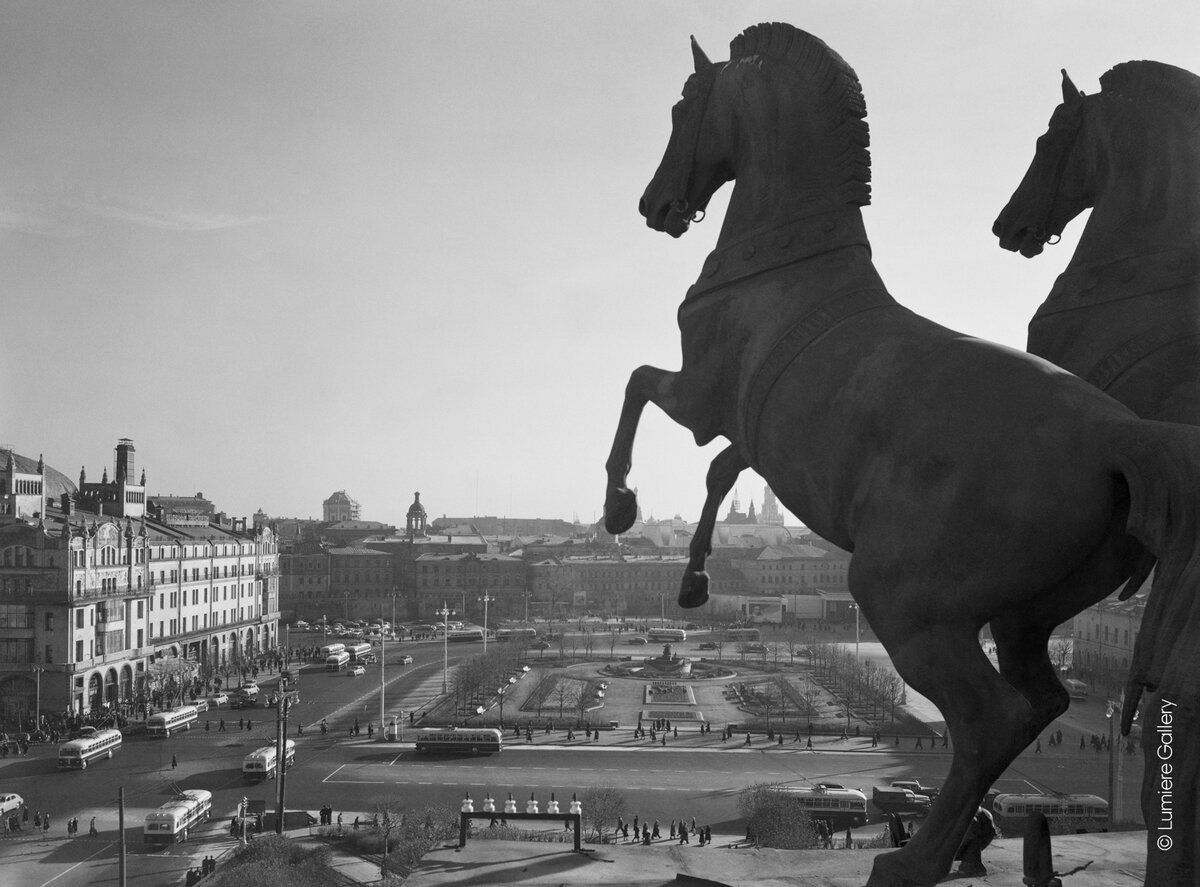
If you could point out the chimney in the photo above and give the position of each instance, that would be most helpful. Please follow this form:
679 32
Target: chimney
68 505
124 461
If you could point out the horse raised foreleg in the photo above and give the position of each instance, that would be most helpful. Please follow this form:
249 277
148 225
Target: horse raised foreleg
646 384
989 721
722 473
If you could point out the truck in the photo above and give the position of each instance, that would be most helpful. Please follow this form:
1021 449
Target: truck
899 800
914 786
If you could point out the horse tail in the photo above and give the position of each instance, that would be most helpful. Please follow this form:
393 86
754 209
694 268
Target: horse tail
1160 463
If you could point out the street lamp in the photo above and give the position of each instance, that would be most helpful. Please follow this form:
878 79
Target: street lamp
37 710
857 611
445 613
486 599
1116 789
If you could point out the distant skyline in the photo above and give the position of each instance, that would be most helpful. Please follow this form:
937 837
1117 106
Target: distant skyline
295 247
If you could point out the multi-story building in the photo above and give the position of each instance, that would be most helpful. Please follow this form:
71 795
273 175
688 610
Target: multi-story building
340 507
460 581
103 590
1103 638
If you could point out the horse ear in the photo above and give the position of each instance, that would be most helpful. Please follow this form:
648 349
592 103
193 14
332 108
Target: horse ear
1071 94
701 60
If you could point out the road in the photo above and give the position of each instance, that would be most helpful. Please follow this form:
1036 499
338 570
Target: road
353 775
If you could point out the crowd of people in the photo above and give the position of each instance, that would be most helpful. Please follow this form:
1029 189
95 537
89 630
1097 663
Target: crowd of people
649 833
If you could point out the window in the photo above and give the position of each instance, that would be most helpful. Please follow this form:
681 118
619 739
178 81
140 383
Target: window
79 651
49 622
49 653
79 618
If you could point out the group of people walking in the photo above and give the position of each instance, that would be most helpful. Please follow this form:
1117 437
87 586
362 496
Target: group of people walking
650 833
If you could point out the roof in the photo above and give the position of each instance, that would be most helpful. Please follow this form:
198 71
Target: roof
55 482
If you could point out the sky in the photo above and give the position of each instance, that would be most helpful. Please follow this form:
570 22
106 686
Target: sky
387 247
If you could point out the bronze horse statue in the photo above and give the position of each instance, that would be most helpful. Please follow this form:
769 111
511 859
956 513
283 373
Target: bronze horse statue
1125 314
973 484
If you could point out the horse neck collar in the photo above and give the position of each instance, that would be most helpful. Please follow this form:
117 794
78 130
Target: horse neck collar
1123 278
788 243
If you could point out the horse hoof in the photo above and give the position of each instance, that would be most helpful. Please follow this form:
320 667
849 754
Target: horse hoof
693 592
620 510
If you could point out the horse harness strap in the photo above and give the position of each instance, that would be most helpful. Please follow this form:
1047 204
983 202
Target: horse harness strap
1133 351
1124 278
778 247
792 343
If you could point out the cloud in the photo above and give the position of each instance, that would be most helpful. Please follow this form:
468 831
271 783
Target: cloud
171 220
26 221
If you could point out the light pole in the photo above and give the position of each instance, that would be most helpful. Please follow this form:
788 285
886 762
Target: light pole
527 606
395 594
445 613
1116 789
486 599
37 705
856 610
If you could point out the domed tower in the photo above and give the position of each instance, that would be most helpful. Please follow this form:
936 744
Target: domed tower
340 507
414 523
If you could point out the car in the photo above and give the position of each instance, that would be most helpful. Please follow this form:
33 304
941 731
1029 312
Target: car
248 689
707 645
357 671
201 705
637 640
242 702
899 800
539 645
755 648
368 658
10 804
406 660
133 728
301 626
219 699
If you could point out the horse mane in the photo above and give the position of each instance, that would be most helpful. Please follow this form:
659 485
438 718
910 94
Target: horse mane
840 97
1154 81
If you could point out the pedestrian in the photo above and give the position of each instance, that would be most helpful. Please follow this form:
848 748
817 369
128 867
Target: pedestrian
708 834
174 763
655 834
339 822
919 745
248 725
356 823
46 824
207 726
809 744
747 742
92 827
625 832
635 824
1038 749
683 833
645 834
241 723
672 829
849 839
664 739
37 819
620 824
221 726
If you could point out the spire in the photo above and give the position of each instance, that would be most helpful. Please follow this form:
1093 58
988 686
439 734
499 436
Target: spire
104 477
82 477
142 482
41 469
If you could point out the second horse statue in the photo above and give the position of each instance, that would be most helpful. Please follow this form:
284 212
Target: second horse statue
974 485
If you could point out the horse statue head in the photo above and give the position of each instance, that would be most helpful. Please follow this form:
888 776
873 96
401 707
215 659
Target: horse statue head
1128 146
738 120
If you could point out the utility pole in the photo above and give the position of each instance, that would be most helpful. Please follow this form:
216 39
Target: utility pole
121 830
486 598
445 613
282 702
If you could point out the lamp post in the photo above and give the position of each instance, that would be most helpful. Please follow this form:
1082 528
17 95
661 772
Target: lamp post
527 606
445 613
37 705
1116 790
486 599
395 594
857 611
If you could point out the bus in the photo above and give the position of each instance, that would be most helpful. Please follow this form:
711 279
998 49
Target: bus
261 763
464 634
164 723
1065 814
357 651
332 650
516 634
171 822
676 635
475 741
76 754
743 634
840 807
337 661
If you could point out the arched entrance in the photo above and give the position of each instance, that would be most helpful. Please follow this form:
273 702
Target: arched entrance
95 692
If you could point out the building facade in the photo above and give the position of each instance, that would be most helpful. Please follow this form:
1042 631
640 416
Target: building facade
95 604
340 507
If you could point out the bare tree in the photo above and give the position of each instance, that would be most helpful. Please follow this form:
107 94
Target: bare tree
775 818
602 804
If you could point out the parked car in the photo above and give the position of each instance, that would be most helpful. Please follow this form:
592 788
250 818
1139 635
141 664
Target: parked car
755 648
301 626
10 804
248 689
707 645
357 671
636 639
201 705
539 645
406 660
219 699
